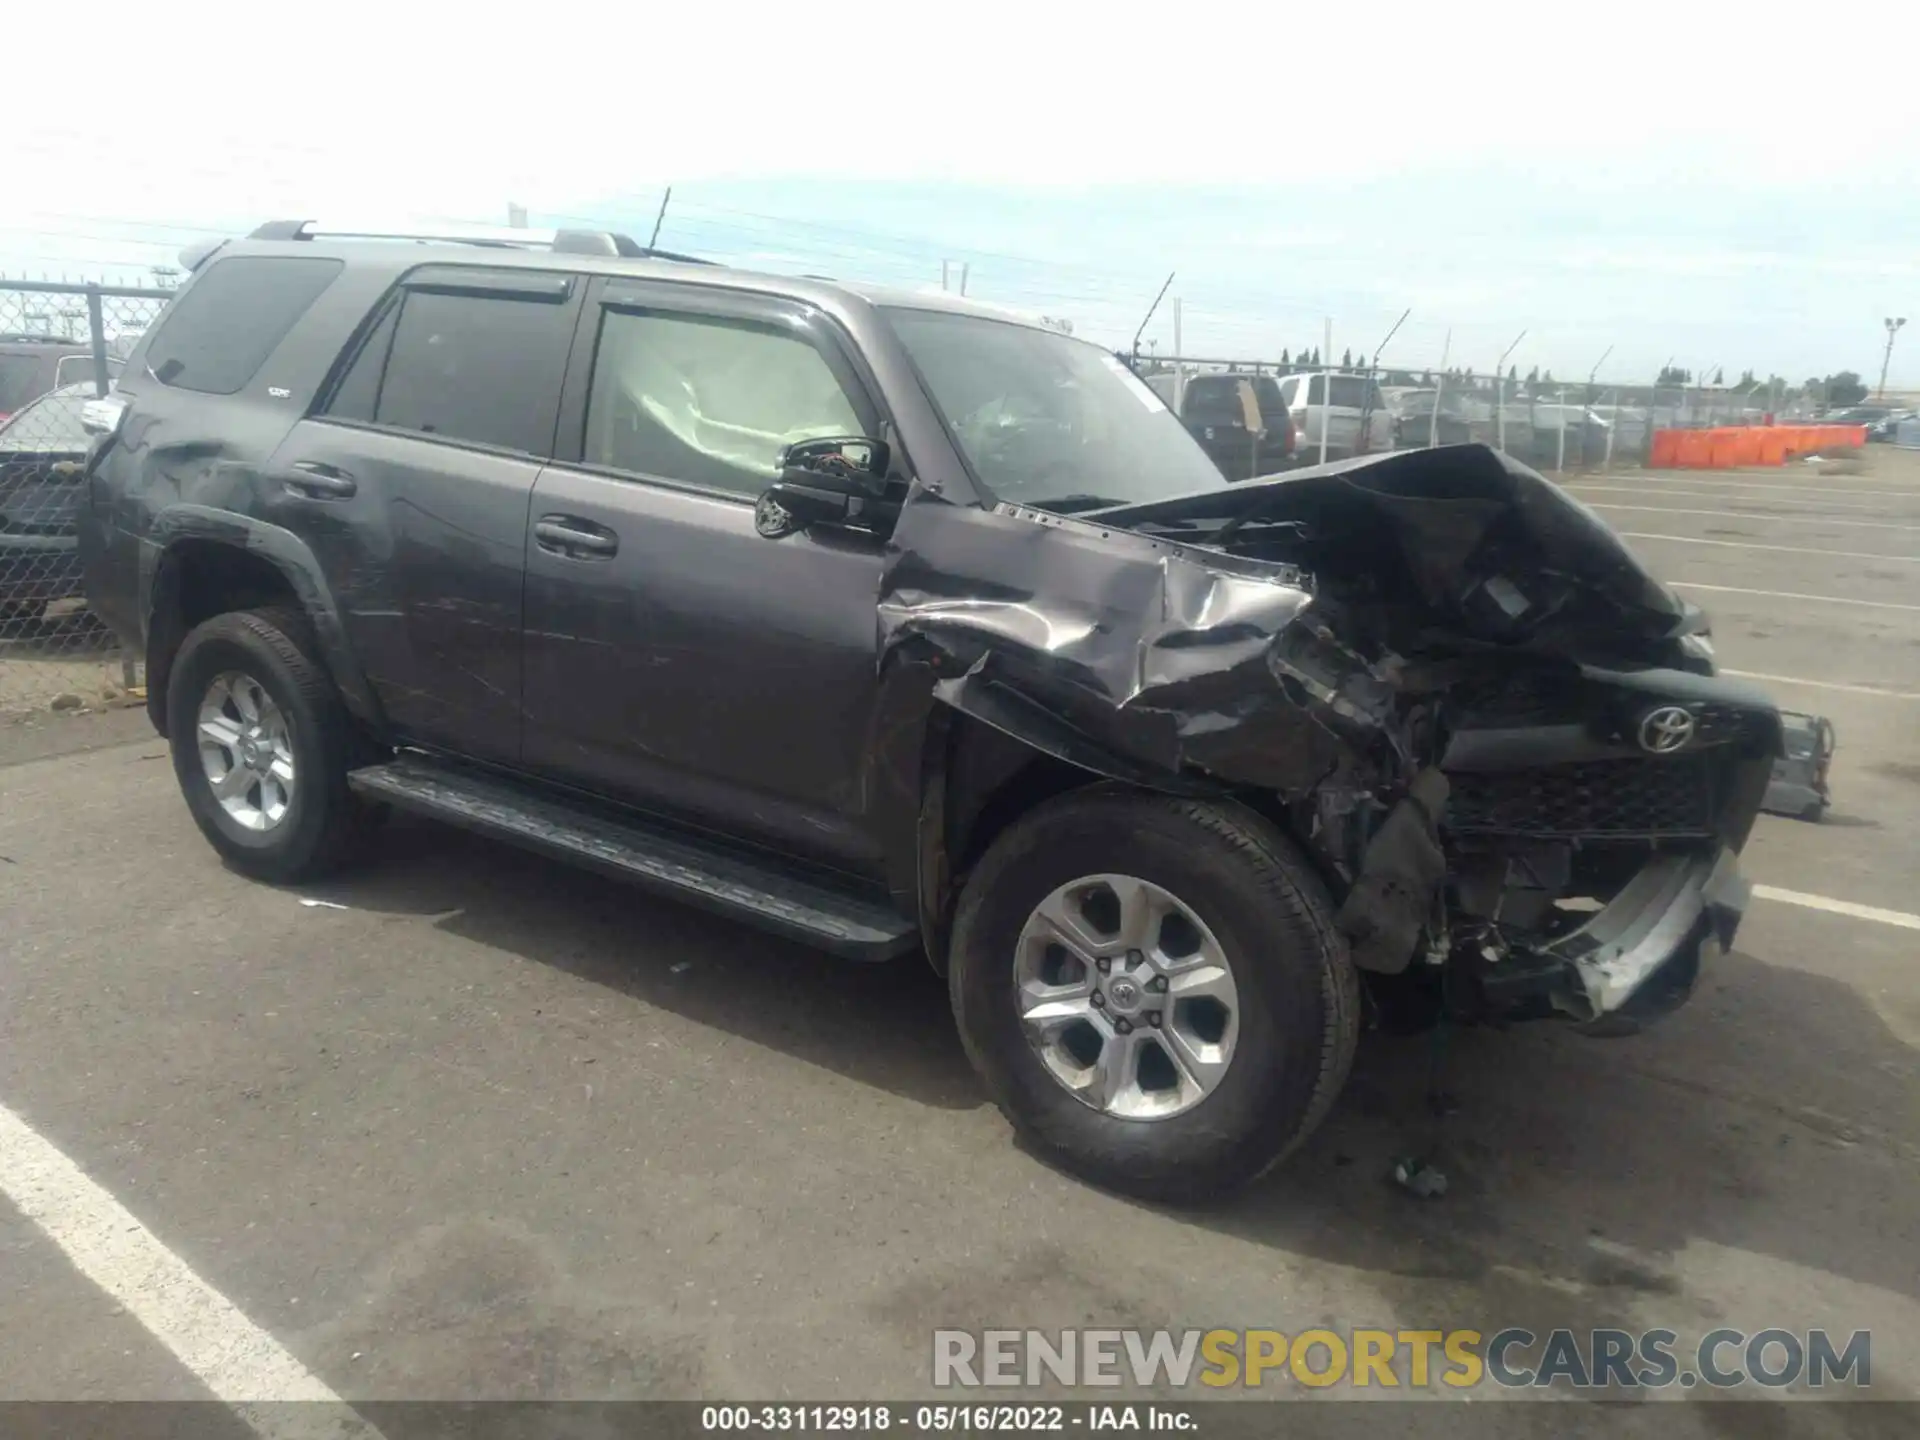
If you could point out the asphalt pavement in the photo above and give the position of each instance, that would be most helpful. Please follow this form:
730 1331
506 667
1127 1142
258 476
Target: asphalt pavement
475 1125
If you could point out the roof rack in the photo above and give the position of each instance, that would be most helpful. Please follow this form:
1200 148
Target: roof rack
565 242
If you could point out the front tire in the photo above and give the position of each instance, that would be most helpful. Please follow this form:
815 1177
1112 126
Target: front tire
1109 925
261 746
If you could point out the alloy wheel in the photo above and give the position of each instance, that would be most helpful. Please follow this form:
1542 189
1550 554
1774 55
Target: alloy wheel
1126 997
246 750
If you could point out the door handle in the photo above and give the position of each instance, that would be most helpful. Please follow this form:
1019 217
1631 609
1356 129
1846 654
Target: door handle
311 480
574 539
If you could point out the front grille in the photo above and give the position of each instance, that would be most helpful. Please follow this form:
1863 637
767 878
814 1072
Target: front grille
1599 799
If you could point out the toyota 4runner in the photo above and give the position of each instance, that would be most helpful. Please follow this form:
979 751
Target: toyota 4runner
900 625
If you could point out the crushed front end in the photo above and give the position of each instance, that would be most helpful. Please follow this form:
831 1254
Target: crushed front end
1548 818
1592 829
1502 739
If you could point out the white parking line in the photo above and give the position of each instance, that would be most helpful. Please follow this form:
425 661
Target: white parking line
1785 549
1838 907
1824 685
1749 515
1648 491
234 1358
1730 483
1792 595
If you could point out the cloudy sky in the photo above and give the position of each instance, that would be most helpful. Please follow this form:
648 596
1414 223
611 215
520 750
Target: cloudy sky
1719 190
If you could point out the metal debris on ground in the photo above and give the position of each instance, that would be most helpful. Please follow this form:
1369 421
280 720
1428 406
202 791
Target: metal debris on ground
1419 1177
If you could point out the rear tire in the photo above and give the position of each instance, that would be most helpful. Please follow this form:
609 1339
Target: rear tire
261 746
1260 912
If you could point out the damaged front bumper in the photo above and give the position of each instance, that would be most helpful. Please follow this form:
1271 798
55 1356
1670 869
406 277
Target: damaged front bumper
1638 956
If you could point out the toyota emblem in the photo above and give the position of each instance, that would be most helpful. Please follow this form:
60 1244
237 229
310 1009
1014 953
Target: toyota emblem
1666 730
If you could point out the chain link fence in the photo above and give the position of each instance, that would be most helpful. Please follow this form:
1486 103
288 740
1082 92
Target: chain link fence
1552 426
60 346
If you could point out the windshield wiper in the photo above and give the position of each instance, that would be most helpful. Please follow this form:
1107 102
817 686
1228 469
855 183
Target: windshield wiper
1073 504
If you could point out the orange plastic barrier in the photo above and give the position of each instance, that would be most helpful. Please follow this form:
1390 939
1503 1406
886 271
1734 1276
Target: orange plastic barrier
1695 451
1733 447
1728 447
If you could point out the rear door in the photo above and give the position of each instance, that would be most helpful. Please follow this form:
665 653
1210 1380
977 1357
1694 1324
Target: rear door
411 484
675 658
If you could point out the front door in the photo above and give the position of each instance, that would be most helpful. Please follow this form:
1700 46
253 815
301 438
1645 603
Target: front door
411 486
675 658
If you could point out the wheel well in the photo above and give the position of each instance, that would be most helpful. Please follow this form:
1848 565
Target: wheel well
978 816
197 580
990 780
981 780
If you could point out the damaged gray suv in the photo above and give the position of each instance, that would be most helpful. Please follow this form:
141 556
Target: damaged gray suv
901 626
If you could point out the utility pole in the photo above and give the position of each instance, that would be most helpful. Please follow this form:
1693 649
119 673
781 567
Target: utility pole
660 218
1367 369
1326 396
1147 319
1500 392
1893 329
1179 366
1439 389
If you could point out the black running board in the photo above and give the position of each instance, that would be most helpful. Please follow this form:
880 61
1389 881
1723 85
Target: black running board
675 864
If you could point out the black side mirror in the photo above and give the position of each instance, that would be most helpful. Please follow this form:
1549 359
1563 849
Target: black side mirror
852 461
836 480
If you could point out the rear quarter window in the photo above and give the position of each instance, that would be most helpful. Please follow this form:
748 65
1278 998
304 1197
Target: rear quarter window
219 331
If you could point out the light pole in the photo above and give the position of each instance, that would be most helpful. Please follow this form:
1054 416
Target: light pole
1500 392
1893 329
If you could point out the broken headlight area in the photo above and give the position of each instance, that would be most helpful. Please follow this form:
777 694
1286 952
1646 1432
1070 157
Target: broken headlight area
1491 727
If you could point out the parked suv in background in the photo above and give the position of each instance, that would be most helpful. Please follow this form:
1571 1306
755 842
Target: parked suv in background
1425 417
1240 420
31 365
898 624
43 452
1355 420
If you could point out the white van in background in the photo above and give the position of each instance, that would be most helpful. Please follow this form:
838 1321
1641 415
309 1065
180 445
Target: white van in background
1307 400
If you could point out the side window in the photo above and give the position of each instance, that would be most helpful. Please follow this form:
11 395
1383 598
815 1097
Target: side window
481 369
1288 389
219 331
1317 390
707 401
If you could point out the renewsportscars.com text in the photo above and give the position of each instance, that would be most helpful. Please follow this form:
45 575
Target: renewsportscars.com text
1459 1359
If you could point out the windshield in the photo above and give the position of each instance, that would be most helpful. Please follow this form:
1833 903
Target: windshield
1045 420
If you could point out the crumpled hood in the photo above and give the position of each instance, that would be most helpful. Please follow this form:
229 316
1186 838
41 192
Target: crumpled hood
1458 516
1141 643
